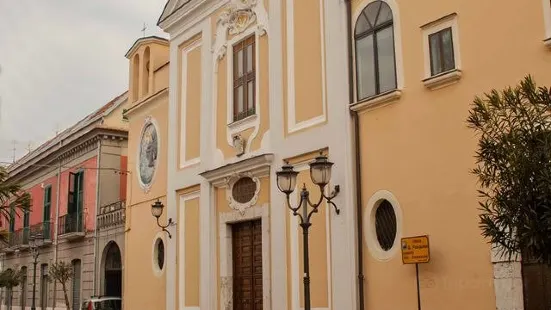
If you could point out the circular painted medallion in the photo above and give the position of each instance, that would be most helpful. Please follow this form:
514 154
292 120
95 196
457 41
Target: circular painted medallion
148 150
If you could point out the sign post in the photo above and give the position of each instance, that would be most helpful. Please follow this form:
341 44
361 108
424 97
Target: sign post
416 250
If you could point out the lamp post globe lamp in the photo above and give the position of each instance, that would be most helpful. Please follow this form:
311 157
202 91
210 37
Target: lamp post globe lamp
287 179
320 173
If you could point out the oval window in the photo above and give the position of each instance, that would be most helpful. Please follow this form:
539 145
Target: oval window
243 190
385 225
160 253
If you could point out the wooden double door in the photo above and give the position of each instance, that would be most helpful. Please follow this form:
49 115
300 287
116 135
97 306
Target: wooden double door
247 265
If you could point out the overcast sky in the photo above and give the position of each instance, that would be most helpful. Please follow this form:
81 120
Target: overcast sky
62 59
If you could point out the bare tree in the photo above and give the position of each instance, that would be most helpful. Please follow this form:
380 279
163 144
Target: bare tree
62 272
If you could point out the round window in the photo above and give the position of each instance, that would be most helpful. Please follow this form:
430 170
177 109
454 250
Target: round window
160 253
385 225
243 190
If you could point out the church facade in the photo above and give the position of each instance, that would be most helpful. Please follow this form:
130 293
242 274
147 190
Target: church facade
381 92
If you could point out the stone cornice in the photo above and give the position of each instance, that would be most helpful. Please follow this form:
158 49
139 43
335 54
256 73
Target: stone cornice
258 166
142 41
186 14
71 148
145 102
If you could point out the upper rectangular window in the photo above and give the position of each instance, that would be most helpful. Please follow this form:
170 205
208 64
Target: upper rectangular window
244 78
75 194
441 51
47 203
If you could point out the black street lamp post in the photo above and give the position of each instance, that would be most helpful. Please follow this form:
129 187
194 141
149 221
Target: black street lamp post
320 173
35 242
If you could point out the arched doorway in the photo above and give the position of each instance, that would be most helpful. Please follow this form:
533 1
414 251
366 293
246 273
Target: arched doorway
112 270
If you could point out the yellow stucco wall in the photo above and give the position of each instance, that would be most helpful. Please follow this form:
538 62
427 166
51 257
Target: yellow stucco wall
189 100
308 51
192 251
420 149
141 229
264 80
193 107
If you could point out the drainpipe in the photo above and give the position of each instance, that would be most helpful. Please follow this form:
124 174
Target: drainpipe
56 219
355 120
96 214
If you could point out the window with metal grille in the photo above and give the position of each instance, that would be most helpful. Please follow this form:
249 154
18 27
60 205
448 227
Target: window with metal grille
243 190
441 51
385 225
160 253
244 77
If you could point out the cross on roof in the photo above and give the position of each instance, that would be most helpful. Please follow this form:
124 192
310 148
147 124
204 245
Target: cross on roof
144 29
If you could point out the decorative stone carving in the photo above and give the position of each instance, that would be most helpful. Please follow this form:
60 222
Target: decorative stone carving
239 16
241 207
221 52
239 144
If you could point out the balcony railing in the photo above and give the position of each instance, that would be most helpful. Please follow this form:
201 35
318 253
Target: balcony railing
71 223
19 238
44 229
111 215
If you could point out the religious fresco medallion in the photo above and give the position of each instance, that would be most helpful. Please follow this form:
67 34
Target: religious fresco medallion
148 150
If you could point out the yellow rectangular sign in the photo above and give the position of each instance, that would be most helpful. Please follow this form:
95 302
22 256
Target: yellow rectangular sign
415 250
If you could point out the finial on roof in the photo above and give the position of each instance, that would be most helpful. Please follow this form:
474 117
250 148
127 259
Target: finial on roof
144 29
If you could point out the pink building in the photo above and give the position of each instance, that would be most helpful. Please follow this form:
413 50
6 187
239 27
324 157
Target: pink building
75 179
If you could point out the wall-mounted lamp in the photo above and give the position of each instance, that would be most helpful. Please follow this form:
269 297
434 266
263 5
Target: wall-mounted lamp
157 210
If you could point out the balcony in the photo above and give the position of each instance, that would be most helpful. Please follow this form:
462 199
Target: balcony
45 229
17 240
111 215
71 226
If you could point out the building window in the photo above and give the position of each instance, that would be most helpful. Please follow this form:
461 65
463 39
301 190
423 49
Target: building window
159 255
441 51
76 283
244 190
135 77
46 212
145 72
76 189
12 220
385 225
375 55
383 220
244 78
23 286
44 286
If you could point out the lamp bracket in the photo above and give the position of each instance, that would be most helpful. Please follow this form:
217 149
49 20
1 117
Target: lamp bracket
163 227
